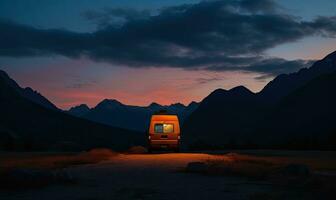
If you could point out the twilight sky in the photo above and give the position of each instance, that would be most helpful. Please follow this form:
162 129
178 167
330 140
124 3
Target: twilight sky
163 51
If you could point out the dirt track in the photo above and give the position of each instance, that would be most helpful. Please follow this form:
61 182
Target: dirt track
155 176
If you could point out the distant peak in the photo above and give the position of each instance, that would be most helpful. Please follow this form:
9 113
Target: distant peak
219 91
109 103
154 104
331 56
79 110
192 103
82 106
240 89
31 90
235 92
8 80
3 73
177 105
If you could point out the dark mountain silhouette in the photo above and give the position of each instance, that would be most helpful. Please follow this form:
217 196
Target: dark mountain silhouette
28 92
39 128
117 114
293 111
232 111
283 84
36 97
189 109
79 110
238 117
306 117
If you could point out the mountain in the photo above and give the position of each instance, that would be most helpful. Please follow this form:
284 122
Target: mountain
79 110
28 93
223 116
36 97
307 114
27 125
114 113
238 117
283 84
188 110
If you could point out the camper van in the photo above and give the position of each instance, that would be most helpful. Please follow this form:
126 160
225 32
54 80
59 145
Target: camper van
164 132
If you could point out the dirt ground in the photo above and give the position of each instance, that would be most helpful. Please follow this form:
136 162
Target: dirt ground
154 176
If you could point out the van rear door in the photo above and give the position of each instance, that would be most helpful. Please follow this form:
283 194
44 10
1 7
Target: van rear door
165 130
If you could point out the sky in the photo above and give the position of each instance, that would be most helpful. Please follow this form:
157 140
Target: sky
163 51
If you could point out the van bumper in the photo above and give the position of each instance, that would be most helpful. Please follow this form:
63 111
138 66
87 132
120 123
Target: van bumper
164 144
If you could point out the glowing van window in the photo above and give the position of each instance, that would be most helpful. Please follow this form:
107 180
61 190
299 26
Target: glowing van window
164 128
158 128
168 128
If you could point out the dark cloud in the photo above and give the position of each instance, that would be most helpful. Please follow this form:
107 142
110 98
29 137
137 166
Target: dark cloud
277 66
114 16
213 35
19 40
268 66
325 26
207 80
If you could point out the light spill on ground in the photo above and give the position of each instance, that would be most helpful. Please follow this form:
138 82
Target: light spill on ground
149 176
152 176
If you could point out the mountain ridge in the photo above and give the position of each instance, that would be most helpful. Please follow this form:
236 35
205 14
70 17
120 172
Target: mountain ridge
28 126
27 92
114 113
283 84
227 117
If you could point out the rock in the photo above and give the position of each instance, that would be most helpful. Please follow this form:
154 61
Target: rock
100 153
297 170
196 167
137 150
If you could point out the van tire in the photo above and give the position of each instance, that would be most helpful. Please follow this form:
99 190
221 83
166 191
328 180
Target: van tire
149 150
177 150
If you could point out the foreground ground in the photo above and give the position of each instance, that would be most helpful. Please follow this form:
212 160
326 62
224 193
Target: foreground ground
163 176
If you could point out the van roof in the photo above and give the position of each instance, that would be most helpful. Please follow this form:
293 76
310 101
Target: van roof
160 117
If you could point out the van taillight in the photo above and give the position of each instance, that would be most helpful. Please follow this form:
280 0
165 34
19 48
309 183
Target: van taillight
149 137
178 137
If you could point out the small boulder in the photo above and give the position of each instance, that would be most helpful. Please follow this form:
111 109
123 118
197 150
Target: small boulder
100 153
197 167
137 150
